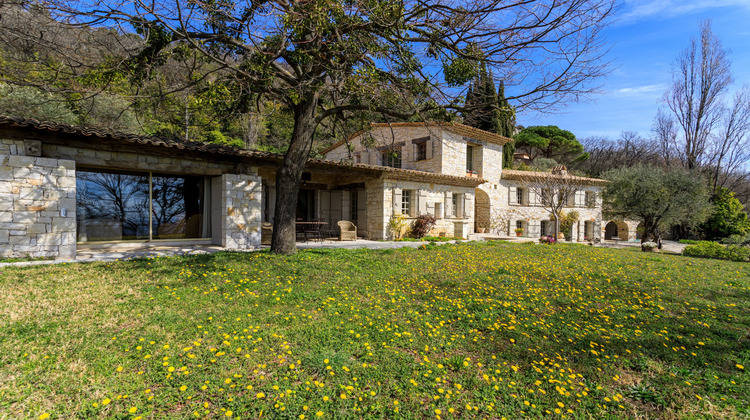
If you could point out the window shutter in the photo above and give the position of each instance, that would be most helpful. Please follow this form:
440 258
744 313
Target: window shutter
365 157
535 228
396 200
429 149
513 196
325 205
336 211
448 206
464 210
375 158
414 152
422 202
579 199
533 198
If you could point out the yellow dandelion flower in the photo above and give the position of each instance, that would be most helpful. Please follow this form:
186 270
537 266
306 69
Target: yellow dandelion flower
739 366
132 409
260 395
44 416
228 413
319 414
106 401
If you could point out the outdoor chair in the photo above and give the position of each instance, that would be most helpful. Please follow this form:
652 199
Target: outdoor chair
266 232
348 231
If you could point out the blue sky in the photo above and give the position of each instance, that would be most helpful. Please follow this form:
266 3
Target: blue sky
645 41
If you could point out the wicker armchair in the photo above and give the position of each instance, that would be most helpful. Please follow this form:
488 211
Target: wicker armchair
348 231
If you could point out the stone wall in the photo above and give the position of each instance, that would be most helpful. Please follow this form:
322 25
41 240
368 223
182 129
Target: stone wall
241 211
37 205
364 148
506 215
426 199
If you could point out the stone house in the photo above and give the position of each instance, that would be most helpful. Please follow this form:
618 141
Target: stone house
64 188
503 202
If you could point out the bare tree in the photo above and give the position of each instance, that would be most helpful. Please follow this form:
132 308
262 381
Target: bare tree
700 77
555 190
326 59
730 148
665 136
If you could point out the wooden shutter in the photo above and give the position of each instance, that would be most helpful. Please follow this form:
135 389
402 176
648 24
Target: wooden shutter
465 209
397 200
421 202
325 205
429 148
414 152
361 212
336 204
365 158
448 206
533 198
513 196
375 158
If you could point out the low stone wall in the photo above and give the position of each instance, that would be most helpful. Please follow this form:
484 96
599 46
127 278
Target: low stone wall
37 205
241 211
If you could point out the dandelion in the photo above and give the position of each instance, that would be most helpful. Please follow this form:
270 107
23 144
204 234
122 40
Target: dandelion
44 416
228 413
132 410
740 367
260 395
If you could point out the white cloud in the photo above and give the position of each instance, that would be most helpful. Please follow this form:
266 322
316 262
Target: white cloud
634 10
641 90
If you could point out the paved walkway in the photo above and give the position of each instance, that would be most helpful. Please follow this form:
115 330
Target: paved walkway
92 255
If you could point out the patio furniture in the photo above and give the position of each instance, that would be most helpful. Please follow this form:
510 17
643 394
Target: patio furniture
348 231
266 232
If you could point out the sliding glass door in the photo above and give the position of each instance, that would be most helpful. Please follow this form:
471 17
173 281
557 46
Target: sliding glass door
115 206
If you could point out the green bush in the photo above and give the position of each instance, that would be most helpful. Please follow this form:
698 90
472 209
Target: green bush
706 249
690 241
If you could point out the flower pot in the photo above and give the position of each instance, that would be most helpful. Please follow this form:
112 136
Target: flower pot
519 234
480 230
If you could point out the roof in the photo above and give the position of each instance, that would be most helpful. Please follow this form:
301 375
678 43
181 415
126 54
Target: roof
513 174
221 150
457 128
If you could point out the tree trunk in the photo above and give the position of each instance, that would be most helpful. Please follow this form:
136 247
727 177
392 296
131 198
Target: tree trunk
289 177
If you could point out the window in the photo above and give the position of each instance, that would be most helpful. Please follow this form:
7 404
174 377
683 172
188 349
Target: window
129 206
392 158
454 205
421 151
520 193
469 158
590 199
544 228
354 198
406 202
588 230
358 158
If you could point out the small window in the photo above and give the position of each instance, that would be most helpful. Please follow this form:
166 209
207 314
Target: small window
392 158
358 158
469 158
520 193
421 151
406 202
544 228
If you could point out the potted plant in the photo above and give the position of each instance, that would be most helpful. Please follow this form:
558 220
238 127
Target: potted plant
519 231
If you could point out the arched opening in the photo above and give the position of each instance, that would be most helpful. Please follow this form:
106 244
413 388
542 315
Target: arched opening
639 231
610 231
616 230
481 211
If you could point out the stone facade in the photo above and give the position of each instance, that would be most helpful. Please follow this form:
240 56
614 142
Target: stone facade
386 198
37 205
493 206
239 207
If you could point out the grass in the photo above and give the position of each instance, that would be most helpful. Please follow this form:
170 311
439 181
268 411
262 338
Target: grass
475 330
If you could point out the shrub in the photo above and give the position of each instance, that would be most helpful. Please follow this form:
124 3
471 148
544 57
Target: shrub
397 225
423 225
547 240
706 249
648 246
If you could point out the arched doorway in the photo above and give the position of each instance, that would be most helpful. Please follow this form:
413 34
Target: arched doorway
616 230
481 210
610 231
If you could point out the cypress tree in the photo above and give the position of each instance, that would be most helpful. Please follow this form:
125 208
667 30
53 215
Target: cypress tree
506 125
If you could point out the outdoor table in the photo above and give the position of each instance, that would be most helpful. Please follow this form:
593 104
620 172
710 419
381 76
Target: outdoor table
309 229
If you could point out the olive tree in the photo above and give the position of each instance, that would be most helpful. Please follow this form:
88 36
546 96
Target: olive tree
326 59
658 197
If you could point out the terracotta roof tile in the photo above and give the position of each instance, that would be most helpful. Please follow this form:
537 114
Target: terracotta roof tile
217 149
530 175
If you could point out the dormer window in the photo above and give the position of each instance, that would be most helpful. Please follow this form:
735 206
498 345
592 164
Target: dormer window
420 148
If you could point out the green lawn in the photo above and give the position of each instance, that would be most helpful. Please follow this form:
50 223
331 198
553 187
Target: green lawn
477 330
